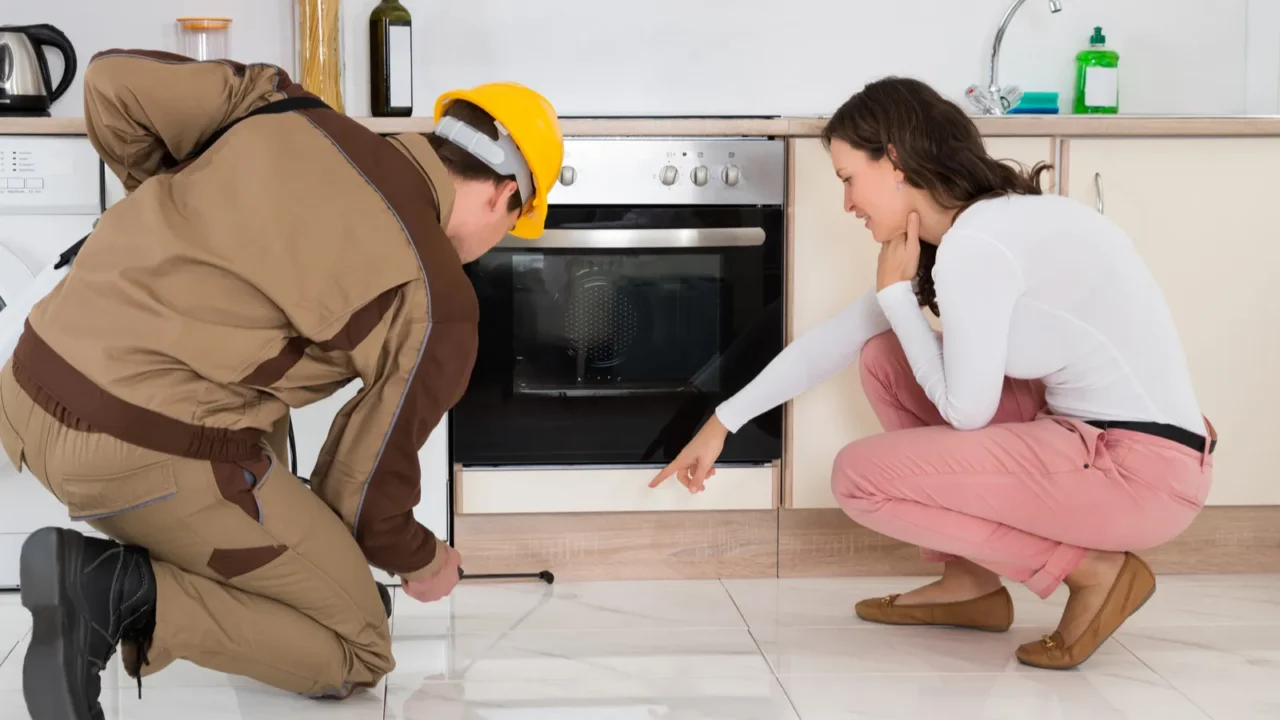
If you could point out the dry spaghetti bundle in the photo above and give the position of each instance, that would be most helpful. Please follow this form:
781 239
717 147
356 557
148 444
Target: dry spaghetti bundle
320 50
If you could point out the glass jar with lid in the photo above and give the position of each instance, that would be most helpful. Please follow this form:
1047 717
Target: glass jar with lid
204 38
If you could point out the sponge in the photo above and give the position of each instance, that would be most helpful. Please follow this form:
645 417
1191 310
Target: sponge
1036 103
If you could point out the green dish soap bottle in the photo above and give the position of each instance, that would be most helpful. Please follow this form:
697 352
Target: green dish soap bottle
1097 78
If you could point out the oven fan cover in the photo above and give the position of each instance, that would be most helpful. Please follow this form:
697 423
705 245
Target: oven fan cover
604 317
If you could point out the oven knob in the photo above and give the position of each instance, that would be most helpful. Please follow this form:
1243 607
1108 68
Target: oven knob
568 175
669 175
699 175
731 175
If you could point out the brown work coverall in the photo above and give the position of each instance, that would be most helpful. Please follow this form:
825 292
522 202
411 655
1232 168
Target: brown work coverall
150 389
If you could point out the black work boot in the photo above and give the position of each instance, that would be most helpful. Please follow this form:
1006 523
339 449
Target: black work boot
86 596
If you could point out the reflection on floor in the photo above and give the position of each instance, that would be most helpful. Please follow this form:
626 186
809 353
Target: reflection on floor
1204 647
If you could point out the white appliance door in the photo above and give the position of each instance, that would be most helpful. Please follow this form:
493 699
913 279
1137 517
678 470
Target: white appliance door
27 505
19 294
311 427
15 276
37 240
50 196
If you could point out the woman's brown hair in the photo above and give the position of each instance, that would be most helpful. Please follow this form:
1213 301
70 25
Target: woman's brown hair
937 148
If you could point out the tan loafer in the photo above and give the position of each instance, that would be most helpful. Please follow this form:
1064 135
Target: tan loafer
992 612
1133 587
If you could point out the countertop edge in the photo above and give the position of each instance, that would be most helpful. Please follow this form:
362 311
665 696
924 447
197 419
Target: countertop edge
1023 125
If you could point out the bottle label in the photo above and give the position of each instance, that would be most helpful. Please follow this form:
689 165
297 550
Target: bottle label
400 65
1101 87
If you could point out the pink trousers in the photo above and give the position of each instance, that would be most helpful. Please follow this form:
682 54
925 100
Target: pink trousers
1024 496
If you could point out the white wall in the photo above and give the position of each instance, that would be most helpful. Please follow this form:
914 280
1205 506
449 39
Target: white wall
1262 63
752 57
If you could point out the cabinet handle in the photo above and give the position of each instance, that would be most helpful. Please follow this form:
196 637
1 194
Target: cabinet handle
1097 189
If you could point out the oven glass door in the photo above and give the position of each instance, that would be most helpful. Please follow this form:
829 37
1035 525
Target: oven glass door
612 338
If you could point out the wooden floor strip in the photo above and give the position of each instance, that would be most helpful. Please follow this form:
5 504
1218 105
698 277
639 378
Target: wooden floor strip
793 543
826 543
623 546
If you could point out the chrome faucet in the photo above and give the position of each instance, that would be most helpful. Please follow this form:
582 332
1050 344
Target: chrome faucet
995 100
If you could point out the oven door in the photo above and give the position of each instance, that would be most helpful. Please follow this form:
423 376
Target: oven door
613 337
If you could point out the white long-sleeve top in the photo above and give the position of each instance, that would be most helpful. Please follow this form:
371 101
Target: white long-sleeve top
1030 287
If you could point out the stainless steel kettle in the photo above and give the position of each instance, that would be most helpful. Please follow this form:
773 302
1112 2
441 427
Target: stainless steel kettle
25 85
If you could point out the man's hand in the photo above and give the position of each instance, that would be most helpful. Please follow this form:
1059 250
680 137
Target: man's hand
439 584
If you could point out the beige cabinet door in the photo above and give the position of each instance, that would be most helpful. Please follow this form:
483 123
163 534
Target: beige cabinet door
833 262
1204 213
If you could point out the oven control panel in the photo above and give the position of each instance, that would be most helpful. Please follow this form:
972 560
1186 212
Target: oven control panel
671 171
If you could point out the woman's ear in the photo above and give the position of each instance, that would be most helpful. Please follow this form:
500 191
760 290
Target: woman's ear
891 154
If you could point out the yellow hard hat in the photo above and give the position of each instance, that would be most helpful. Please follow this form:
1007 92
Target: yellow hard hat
532 124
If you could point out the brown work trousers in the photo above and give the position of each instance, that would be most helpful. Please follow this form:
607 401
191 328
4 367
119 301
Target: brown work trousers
255 574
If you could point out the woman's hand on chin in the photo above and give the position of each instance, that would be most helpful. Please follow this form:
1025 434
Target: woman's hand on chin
900 257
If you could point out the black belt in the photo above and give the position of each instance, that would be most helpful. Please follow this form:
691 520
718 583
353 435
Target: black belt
1180 435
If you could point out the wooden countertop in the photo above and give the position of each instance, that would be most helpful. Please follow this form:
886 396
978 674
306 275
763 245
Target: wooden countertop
1025 125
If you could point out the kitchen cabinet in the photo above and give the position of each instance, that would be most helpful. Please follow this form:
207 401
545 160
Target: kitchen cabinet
1203 213
833 262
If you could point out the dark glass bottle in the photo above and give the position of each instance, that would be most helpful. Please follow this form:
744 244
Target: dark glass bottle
390 60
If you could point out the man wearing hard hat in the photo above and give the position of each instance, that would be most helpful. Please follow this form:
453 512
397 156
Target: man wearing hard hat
270 251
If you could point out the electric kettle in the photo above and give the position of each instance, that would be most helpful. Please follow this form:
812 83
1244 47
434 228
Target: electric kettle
25 85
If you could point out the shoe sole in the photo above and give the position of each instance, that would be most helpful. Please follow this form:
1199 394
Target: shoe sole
47 670
1096 647
979 628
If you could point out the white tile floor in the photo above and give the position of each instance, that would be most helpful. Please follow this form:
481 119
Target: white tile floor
1204 647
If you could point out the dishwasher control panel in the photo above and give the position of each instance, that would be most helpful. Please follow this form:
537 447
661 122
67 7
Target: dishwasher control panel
49 175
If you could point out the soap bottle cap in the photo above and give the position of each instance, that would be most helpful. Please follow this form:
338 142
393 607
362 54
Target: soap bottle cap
1097 38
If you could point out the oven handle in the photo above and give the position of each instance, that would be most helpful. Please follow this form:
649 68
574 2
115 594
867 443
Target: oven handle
638 238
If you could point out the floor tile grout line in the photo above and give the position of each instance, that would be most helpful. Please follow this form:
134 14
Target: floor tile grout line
586 631
778 679
12 650
1160 675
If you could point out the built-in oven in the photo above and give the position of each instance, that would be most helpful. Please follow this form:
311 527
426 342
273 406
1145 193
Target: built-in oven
655 293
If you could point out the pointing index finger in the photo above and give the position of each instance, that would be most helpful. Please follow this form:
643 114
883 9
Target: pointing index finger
662 476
